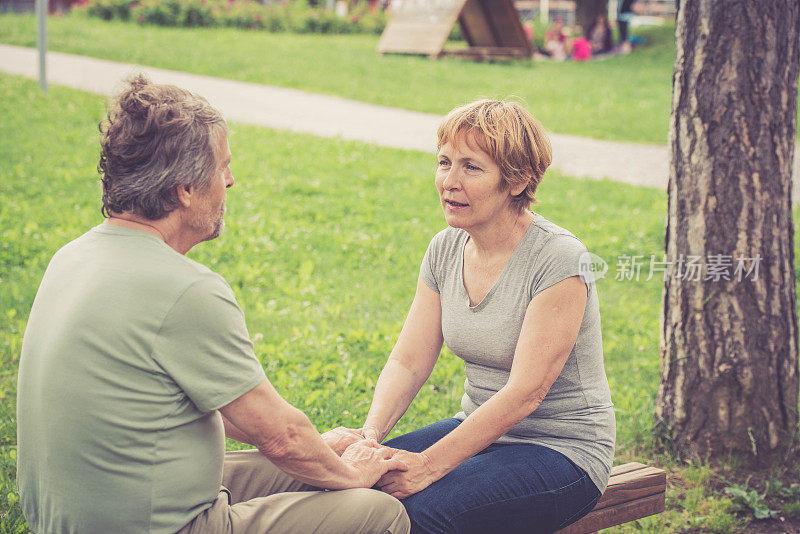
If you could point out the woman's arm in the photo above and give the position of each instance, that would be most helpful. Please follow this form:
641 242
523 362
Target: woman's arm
409 365
549 331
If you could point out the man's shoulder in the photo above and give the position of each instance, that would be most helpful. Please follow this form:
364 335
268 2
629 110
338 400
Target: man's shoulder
141 258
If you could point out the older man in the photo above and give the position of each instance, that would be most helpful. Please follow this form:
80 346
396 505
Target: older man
136 363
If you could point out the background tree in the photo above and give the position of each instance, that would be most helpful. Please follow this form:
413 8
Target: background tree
729 376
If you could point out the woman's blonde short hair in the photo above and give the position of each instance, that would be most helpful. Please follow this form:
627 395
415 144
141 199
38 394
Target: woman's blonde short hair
507 132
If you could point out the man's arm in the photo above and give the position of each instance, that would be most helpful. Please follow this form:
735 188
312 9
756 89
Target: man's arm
232 432
338 439
286 436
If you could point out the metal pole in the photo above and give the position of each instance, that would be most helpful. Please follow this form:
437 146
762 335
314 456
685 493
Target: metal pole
544 11
41 38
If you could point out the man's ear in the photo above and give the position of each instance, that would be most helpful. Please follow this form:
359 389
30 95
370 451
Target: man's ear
184 194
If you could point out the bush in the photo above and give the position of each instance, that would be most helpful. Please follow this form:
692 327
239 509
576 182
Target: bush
276 20
297 16
198 13
367 21
243 14
110 9
159 12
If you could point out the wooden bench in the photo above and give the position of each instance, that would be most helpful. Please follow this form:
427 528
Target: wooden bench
634 491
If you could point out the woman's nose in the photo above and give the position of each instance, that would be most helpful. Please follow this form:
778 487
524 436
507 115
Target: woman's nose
451 179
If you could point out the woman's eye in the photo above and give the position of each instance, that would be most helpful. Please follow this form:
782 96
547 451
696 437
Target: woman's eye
471 167
443 163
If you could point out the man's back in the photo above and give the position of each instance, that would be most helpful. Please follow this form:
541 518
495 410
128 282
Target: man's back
129 350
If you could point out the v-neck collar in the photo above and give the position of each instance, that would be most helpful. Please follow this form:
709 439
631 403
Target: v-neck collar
463 288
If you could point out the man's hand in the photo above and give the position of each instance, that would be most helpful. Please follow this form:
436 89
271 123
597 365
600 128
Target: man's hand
418 476
340 438
371 461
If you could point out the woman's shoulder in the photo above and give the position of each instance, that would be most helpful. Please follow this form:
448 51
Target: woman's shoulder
550 234
558 254
447 239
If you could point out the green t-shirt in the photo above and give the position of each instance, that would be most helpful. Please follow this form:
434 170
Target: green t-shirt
129 351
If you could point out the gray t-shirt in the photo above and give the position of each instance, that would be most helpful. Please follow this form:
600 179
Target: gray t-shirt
129 350
576 417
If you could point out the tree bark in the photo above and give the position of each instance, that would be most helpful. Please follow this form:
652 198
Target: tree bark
729 348
587 11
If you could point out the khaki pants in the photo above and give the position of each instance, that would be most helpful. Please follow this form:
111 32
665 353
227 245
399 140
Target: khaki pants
258 498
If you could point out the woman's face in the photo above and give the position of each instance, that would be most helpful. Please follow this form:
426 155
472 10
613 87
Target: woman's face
470 185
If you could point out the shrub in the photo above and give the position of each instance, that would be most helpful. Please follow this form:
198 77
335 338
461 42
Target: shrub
275 20
110 9
159 12
367 21
244 14
297 16
196 13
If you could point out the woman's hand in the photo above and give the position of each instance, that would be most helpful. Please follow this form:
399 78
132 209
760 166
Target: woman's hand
370 461
402 484
340 438
371 433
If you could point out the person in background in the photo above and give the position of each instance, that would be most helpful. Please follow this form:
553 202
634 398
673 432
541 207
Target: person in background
623 19
581 49
555 41
600 37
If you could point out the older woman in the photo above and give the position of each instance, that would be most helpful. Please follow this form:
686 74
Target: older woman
531 449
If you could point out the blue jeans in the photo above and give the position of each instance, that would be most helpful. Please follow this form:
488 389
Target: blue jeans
504 488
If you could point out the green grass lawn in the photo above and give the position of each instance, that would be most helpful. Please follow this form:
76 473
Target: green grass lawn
623 98
322 247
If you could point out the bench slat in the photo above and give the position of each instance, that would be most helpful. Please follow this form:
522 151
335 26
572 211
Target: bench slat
626 468
617 515
634 491
632 486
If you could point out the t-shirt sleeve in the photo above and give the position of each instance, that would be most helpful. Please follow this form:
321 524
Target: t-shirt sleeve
561 257
428 269
203 345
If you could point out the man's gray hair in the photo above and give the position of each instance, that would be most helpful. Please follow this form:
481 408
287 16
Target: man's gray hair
155 139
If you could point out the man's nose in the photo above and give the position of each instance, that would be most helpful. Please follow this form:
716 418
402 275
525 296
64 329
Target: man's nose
229 180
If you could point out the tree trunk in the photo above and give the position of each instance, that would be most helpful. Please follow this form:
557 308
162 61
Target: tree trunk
587 11
729 375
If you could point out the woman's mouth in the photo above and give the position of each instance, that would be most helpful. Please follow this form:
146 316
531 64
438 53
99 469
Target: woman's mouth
455 205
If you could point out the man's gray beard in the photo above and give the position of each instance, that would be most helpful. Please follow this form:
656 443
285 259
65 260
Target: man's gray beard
219 225
217 230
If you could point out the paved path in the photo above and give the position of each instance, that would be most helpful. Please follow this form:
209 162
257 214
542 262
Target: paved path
330 116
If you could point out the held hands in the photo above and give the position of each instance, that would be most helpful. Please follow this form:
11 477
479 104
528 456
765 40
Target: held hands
340 438
371 461
397 472
418 475
370 433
